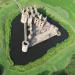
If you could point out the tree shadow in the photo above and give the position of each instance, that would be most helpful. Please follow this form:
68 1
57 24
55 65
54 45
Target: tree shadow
42 10
62 72
1 69
35 52
44 73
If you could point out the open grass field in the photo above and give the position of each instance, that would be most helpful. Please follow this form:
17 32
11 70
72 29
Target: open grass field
57 58
70 69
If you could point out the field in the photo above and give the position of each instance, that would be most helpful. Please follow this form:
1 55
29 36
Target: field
57 58
70 69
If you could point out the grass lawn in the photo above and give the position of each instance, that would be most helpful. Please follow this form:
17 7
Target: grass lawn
70 69
56 58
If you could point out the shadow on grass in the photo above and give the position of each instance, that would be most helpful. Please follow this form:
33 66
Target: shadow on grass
44 73
1 69
37 51
70 69
62 72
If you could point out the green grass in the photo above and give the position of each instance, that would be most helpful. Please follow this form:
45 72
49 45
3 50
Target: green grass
56 58
70 69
